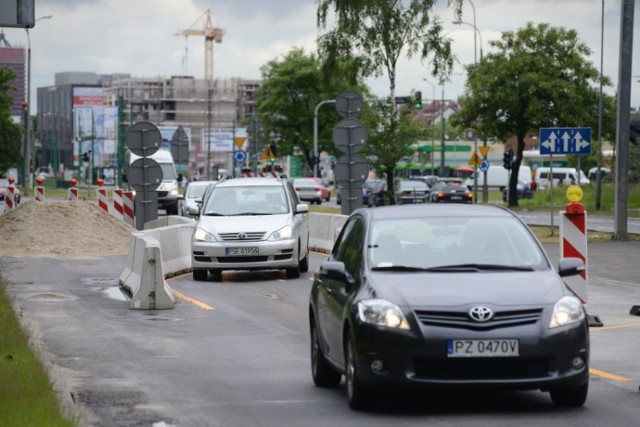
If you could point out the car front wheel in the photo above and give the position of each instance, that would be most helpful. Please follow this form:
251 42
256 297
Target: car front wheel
357 396
324 375
569 396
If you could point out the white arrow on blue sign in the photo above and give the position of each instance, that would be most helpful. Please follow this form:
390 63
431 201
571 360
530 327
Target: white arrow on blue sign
565 140
240 156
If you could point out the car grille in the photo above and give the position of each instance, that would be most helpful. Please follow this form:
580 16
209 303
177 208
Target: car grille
242 236
498 368
163 193
460 319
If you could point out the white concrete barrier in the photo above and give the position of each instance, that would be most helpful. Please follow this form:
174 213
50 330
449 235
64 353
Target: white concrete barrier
175 244
142 280
323 230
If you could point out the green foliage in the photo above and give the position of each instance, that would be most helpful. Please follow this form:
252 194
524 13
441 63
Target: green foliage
392 135
10 133
291 89
26 395
374 34
538 76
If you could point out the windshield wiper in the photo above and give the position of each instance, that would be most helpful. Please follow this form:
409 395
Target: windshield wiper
213 214
478 267
249 214
398 268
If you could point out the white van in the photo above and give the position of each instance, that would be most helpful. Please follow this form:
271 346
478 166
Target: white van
564 176
168 189
498 177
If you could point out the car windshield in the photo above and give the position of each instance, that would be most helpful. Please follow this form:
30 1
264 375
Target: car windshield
413 185
195 191
168 171
453 244
254 200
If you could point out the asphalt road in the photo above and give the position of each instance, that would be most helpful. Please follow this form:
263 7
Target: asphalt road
236 353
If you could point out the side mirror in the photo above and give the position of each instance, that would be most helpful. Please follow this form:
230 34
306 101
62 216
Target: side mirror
570 267
335 270
194 210
302 208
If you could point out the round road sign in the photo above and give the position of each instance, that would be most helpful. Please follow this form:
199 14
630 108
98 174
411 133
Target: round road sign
351 171
240 156
350 135
484 166
144 174
349 104
143 139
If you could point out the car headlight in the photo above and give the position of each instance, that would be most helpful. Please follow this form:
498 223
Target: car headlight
174 192
201 235
382 313
284 233
566 311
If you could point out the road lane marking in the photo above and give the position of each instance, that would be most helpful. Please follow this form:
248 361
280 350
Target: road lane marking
193 301
602 374
608 328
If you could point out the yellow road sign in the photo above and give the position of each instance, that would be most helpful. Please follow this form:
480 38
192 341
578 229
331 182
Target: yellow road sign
484 150
475 159
239 140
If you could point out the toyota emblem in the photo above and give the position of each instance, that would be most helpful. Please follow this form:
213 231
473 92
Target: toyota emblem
242 236
481 313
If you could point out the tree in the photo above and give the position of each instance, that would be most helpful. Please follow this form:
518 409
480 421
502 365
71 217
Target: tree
373 35
10 133
291 89
539 76
382 156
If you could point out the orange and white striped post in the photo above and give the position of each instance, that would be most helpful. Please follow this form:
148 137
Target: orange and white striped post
128 208
103 202
573 243
10 195
39 189
118 211
73 190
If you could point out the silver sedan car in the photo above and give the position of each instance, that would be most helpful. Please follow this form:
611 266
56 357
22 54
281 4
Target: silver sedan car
251 224
192 193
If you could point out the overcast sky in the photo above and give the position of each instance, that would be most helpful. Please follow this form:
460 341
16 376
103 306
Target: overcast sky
139 37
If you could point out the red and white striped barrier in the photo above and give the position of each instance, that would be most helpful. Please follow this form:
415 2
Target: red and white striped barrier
573 243
73 190
103 202
39 189
118 211
73 194
39 193
9 197
127 208
261 174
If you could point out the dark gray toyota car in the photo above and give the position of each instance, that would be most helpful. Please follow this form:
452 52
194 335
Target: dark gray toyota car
446 296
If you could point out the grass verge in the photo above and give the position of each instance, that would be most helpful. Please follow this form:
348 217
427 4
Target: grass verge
27 397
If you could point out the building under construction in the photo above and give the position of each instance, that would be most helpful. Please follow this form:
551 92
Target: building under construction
194 104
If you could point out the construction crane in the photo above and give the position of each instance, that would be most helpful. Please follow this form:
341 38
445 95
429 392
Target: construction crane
210 34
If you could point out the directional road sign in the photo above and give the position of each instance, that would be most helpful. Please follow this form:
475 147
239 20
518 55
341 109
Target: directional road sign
565 140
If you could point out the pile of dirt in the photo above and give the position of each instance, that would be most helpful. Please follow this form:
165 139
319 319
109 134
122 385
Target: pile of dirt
62 229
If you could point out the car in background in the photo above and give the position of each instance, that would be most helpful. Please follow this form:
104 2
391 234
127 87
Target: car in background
250 224
367 188
4 183
309 190
450 192
524 191
430 180
324 188
193 193
593 173
378 193
440 296
411 191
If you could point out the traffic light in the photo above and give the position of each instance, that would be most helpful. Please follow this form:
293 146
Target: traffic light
85 155
272 152
417 100
507 159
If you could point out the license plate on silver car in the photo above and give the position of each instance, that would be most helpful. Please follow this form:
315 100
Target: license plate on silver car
241 251
483 348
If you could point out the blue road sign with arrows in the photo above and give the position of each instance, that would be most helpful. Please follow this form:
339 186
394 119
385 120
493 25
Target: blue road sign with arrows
565 140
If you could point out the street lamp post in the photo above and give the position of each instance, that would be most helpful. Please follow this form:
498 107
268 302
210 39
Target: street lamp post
316 155
433 134
27 125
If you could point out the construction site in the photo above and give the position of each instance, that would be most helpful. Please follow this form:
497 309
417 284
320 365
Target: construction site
199 105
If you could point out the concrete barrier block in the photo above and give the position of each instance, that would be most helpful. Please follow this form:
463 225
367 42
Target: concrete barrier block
175 244
144 284
322 230
167 221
